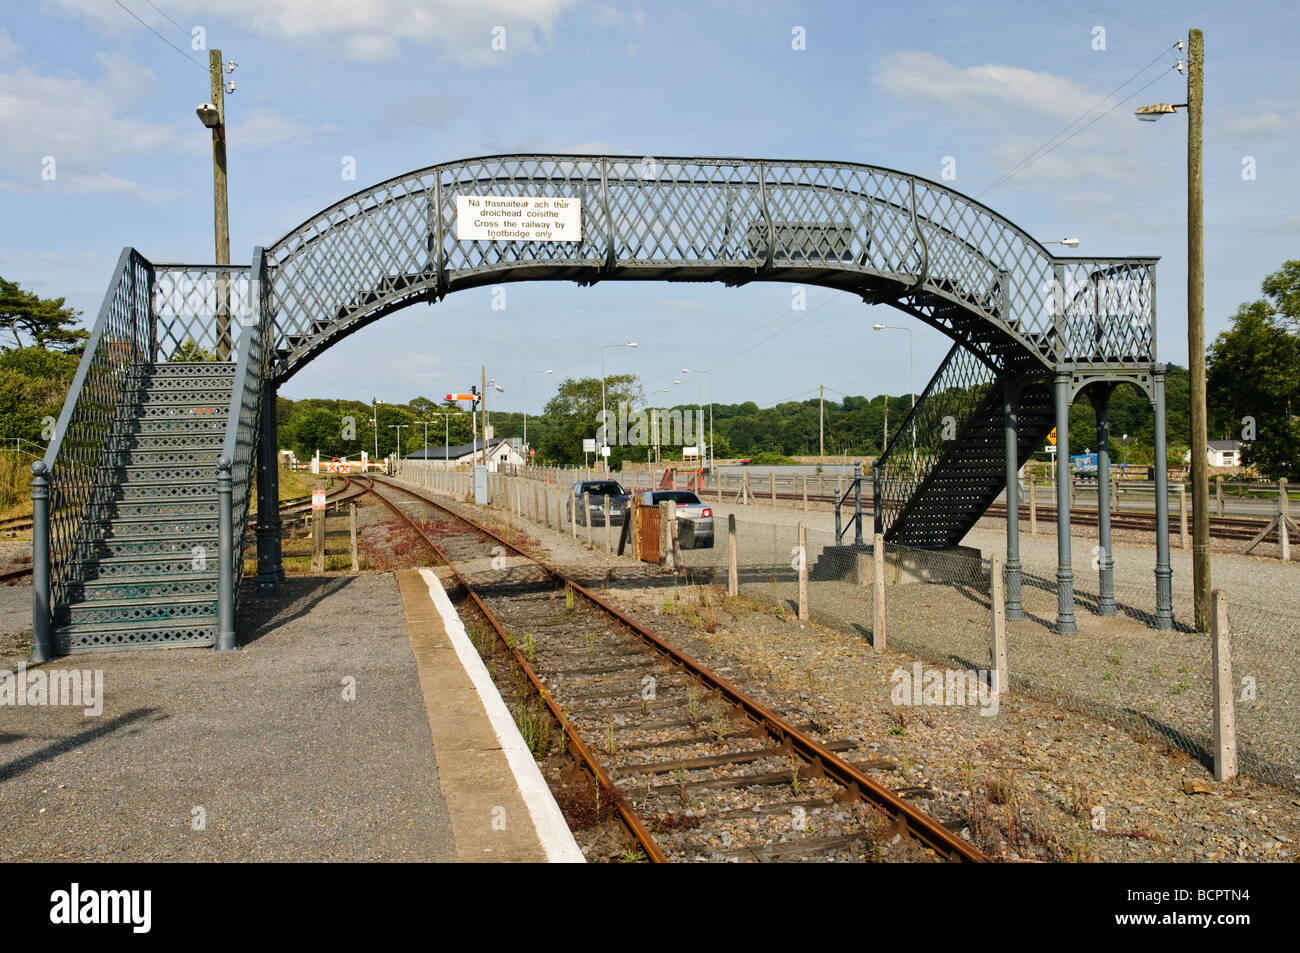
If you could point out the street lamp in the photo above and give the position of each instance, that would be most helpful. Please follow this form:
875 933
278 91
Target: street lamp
604 435
374 412
397 452
526 373
713 458
500 390
912 379
1195 317
1067 242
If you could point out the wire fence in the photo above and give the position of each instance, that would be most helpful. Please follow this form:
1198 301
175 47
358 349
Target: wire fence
938 607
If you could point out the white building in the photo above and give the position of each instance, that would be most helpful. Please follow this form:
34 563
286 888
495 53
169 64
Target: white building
501 452
1220 453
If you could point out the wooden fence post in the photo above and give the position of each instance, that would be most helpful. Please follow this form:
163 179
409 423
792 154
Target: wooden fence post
1225 722
607 522
805 493
733 581
771 485
1218 495
318 541
586 513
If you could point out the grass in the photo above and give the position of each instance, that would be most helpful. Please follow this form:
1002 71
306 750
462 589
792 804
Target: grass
15 484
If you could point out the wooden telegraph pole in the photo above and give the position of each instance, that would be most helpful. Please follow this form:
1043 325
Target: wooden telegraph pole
1196 335
220 202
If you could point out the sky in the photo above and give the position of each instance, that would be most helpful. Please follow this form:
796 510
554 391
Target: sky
953 91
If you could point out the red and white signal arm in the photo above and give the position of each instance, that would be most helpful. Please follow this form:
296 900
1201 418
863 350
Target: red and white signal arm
532 453
470 397
318 499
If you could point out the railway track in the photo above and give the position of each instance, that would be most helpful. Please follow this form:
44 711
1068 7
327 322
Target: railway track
697 768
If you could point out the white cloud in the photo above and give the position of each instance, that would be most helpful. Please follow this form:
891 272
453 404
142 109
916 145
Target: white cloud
373 30
1269 119
8 48
262 127
994 89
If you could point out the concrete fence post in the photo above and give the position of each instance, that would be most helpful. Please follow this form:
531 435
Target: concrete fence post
997 588
1182 514
318 521
573 517
1033 508
1218 496
1225 722
586 513
805 493
803 572
878 639
733 580
352 529
608 520
1283 518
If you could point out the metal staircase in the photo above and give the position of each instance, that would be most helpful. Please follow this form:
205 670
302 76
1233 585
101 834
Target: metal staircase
148 573
141 503
932 491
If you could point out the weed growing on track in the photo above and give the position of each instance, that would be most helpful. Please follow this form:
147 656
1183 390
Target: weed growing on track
530 647
534 728
693 707
611 741
591 641
568 597
796 784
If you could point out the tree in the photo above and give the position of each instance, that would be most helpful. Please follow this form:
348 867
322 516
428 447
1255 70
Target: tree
1253 377
574 414
48 322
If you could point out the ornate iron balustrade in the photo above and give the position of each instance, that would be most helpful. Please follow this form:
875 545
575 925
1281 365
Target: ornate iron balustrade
885 235
958 389
255 349
82 456
201 311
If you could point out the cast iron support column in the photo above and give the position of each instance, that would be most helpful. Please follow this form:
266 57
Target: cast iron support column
42 649
226 581
270 569
1015 608
1099 395
1065 624
1164 572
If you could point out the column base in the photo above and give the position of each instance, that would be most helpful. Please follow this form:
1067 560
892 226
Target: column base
1164 599
1015 608
1065 621
1106 587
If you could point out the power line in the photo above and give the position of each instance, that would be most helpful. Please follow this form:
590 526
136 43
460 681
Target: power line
1122 19
167 18
1089 27
699 359
1051 144
806 314
160 36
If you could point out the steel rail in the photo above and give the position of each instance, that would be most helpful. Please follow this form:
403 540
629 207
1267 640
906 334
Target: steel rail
921 826
654 853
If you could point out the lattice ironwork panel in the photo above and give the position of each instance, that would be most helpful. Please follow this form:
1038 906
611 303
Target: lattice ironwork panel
887 234
79 455
955 393
201 311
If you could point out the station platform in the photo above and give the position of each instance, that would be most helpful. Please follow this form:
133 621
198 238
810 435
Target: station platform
352 725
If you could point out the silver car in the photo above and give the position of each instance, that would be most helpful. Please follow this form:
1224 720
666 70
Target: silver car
689 508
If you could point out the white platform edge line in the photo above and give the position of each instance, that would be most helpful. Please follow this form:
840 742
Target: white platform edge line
557 840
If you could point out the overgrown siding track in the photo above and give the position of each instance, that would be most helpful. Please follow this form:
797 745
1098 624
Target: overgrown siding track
699 769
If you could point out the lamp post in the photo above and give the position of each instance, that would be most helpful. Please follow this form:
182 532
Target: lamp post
397 451
500 390
1195 318
1067 242
911 371
604 435
709 374
526 373
374 412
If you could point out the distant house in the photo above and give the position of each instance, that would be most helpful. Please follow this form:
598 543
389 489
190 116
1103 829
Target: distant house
1220 453
501 450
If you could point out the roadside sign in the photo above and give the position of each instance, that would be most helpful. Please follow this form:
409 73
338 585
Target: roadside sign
588 444
471 397
318 499
1051 437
